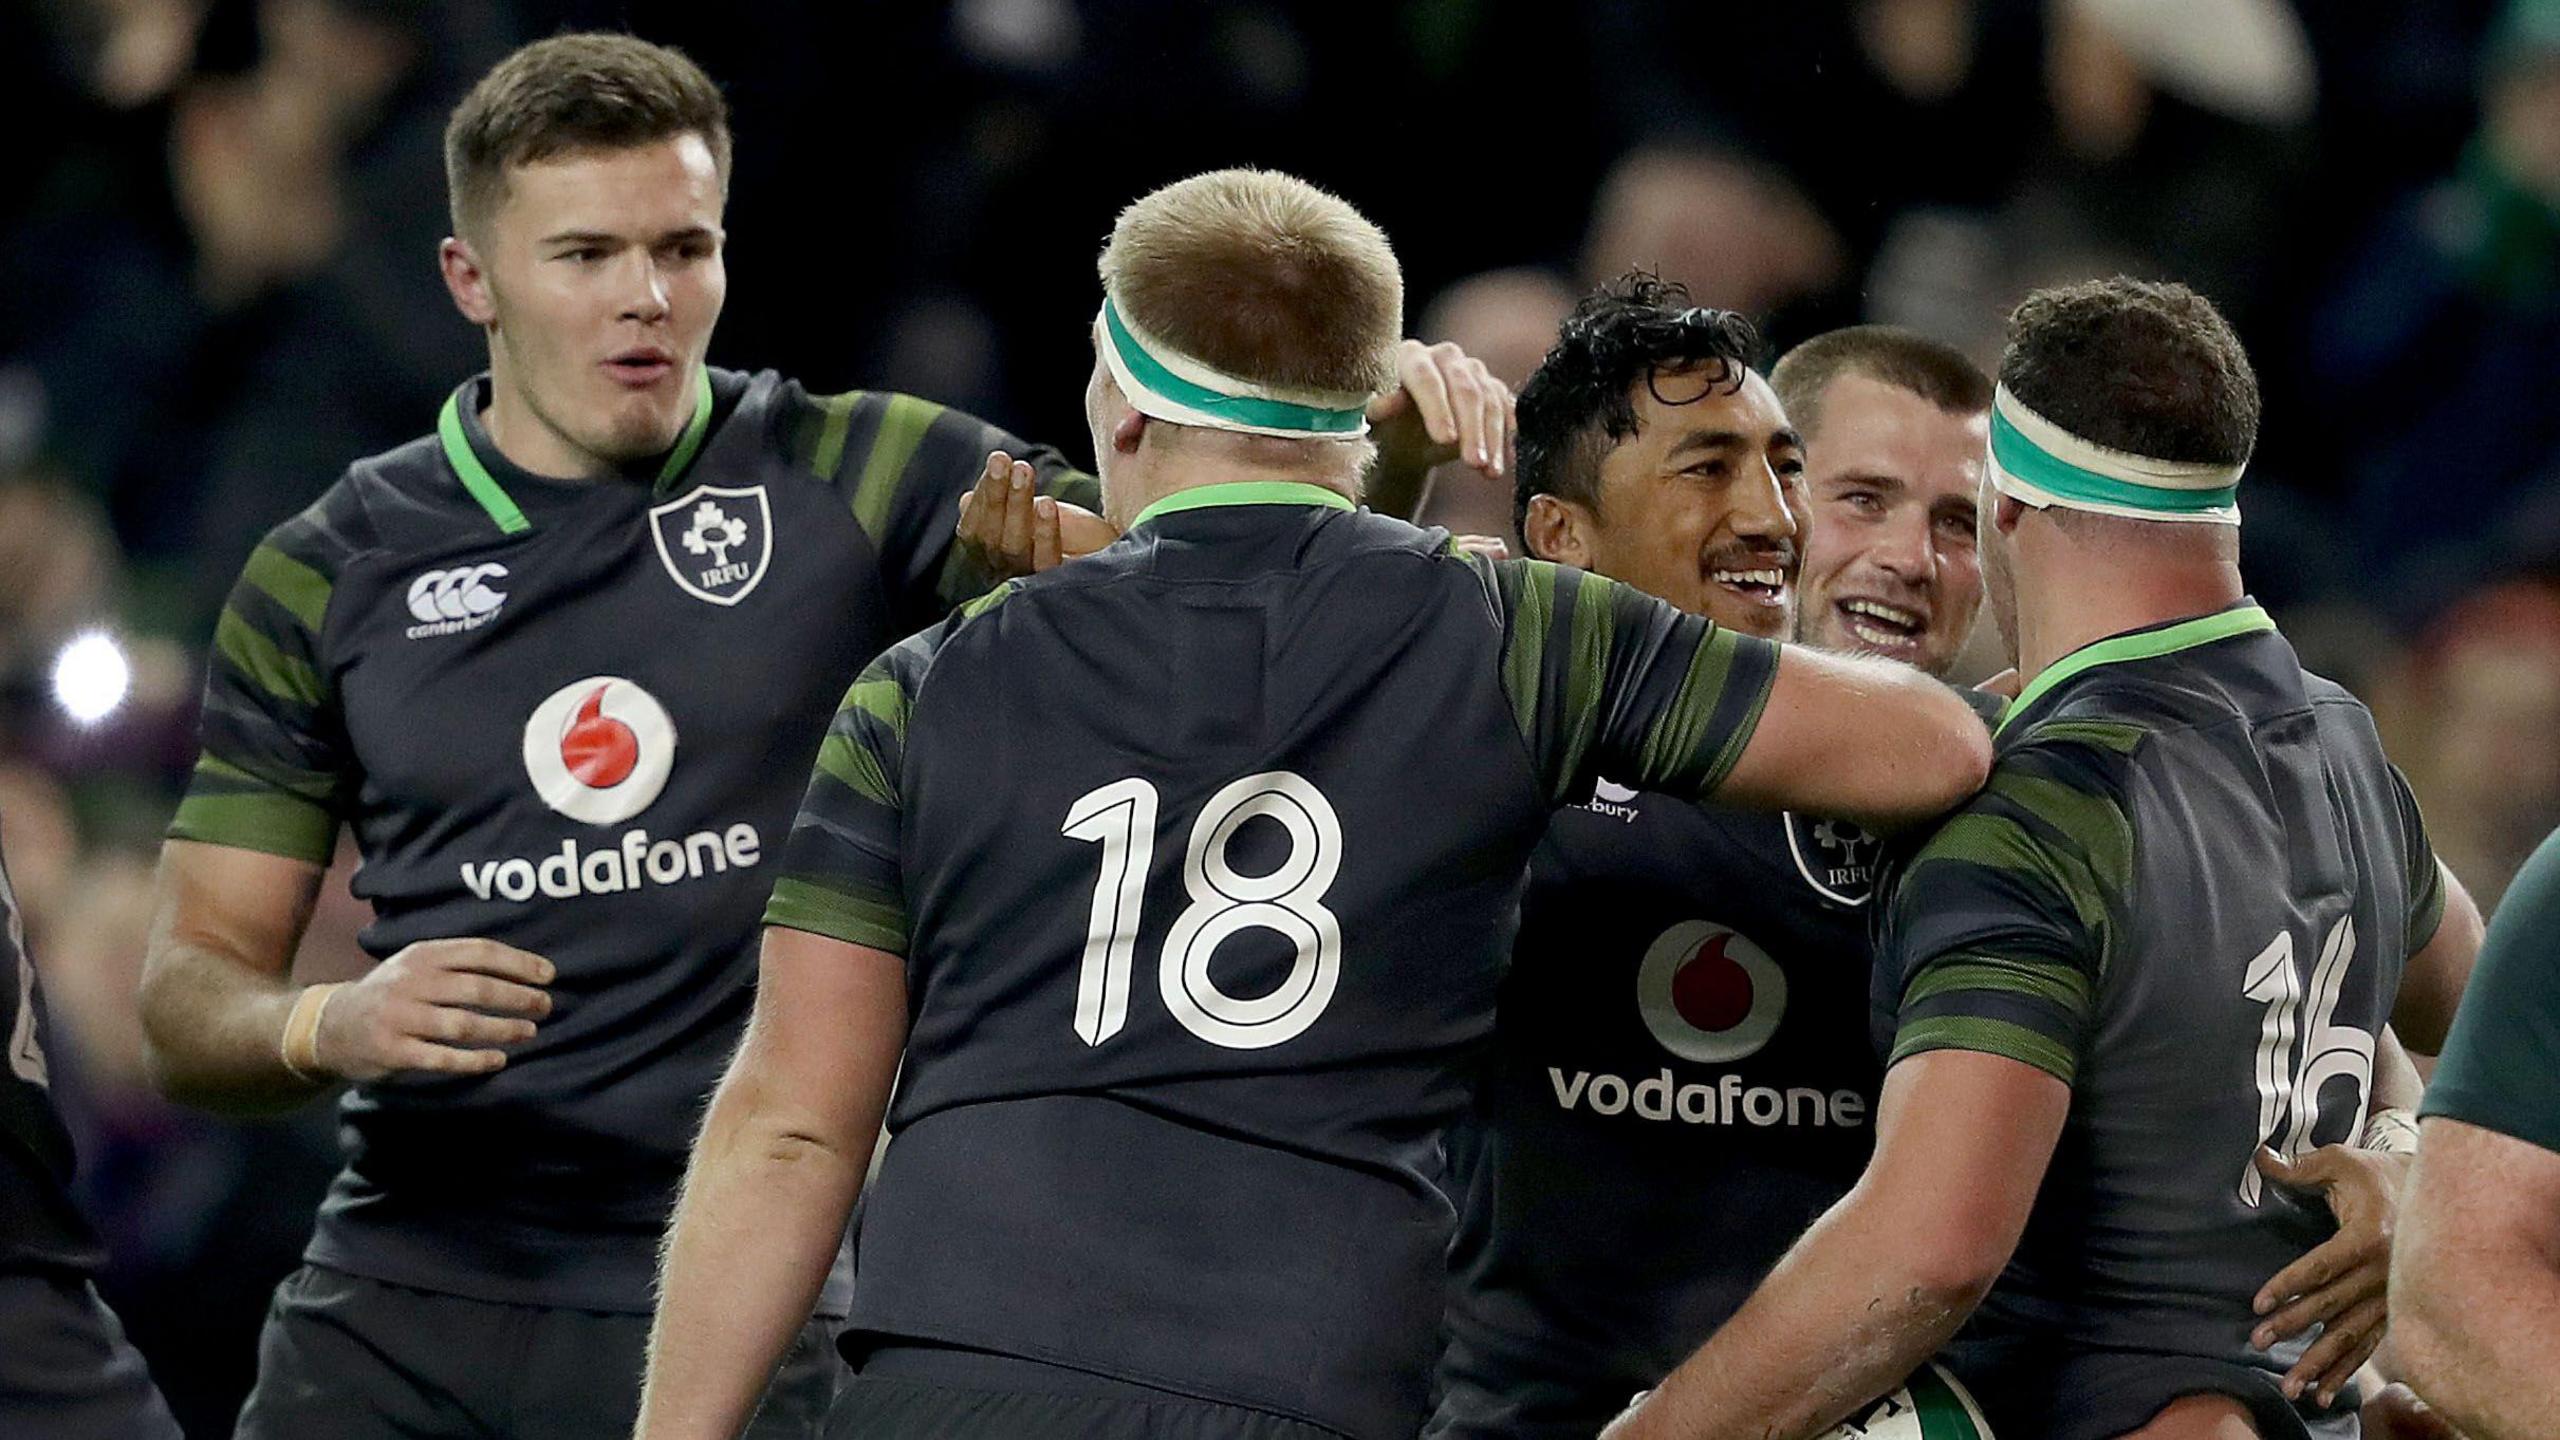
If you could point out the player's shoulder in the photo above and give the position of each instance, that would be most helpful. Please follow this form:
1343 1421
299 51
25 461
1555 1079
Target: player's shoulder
360 514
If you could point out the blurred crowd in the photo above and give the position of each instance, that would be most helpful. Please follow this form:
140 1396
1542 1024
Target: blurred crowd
221 231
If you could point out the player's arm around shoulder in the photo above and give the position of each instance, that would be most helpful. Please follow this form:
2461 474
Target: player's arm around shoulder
1867 740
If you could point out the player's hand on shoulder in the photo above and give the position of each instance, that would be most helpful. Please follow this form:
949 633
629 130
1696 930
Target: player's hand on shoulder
1446 406
439 1007
1010 530
2343 1283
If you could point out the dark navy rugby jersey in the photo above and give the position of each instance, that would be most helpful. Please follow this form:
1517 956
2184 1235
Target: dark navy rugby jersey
1680 1082
556 714
1204 853
2188 891
40 1229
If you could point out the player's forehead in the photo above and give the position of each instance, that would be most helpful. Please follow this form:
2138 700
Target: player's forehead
636 192
1888 438
1691 411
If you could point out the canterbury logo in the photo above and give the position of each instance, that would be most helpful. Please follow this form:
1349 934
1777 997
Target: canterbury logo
446 601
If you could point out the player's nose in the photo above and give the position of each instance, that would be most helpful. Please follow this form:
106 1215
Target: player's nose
645 298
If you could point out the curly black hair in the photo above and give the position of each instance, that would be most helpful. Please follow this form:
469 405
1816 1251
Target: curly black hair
1581 401
2148 368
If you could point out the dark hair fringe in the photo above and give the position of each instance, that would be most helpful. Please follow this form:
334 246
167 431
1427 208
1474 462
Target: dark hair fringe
1582 397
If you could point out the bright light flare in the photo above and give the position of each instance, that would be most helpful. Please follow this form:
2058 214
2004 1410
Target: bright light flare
91 677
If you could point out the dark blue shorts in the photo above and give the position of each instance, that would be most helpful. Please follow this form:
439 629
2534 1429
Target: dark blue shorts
66 1370
347 1358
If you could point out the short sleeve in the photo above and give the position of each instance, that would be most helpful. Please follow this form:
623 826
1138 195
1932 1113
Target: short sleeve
841 873
2426 877
275 772
902 464
1999 926
2499 1061
1605 678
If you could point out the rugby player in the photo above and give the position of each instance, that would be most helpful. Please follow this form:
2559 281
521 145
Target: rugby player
2167 936
543 661
1290 758
66 1370
2476 1277
1683 1026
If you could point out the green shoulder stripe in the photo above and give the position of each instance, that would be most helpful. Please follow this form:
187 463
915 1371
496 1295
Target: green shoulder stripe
259 658
2053 981
903 423
2093 822
1988 1037
821 910
1679 730
1586 661
271 821
301 590
836 416
858 769
1533 611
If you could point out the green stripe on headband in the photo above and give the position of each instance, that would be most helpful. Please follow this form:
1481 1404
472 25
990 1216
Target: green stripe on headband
1240 409
2066 482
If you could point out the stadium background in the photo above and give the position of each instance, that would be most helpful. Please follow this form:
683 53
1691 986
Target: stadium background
218 240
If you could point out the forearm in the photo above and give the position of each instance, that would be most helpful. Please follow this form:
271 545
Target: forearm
214 1030
1843 1319
2487 1366
764 1208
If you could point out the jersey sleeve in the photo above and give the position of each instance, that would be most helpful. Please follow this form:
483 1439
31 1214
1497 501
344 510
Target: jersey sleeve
2426 877
2505 1046
901 464
1605 678
275 772
841 872
2000 924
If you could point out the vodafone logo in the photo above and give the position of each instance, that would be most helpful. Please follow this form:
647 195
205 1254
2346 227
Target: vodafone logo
599 749
447 601
1708 994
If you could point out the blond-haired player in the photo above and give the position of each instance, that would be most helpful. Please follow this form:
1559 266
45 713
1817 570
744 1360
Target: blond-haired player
1179 879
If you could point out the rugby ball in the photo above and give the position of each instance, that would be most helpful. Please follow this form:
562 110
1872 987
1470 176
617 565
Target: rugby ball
1931 1405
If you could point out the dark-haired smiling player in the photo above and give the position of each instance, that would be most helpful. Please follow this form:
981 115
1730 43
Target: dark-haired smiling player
558 666
2142 972
1680 1078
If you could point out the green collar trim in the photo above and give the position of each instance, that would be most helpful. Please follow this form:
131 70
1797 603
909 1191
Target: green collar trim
2141 645
1244 492
502 508
484 487
696 430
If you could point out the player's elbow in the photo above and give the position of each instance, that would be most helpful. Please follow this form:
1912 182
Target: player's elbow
1952 1271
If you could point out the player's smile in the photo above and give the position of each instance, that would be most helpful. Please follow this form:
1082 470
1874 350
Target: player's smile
1757 575
1887 627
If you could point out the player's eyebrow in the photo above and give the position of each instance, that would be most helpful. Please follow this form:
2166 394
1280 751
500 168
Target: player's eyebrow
1873 480
1707 440
581 237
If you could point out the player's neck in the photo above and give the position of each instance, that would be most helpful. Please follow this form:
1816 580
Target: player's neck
1138 481
530 444
2087 603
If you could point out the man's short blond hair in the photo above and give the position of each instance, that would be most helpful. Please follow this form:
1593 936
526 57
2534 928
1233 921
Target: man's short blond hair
1264 277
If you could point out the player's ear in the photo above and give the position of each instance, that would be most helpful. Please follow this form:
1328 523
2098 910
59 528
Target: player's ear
466 281
1127 431
1557 529
2006 512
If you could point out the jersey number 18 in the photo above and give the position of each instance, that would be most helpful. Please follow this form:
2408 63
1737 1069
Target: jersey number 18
1121 818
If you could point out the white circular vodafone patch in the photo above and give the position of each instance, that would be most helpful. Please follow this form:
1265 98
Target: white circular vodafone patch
1708 994
599 749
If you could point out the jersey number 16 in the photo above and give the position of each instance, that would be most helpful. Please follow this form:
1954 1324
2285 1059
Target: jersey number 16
1121 818
2289 1098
